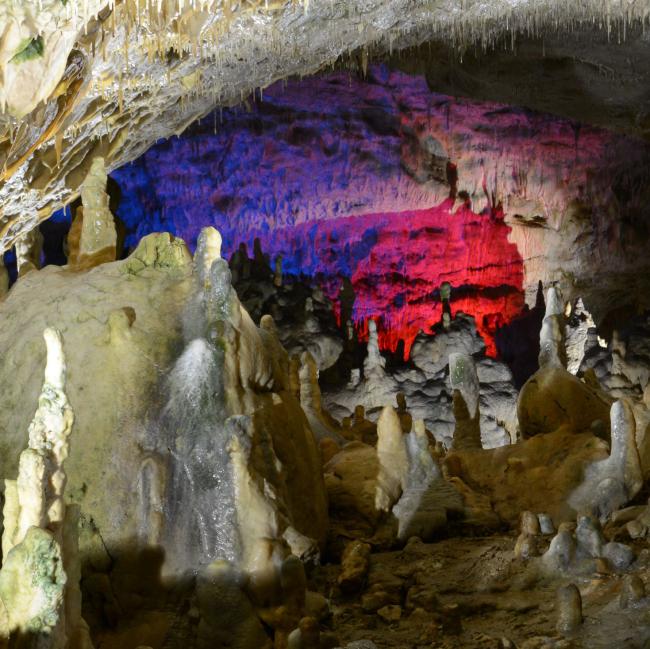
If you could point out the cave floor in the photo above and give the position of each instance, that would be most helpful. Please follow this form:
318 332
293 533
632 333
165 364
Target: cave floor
478 595
460 592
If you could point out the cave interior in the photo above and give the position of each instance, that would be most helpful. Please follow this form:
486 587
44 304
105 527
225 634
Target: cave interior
325 324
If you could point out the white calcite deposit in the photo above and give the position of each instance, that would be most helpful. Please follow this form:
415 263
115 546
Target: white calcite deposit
39 578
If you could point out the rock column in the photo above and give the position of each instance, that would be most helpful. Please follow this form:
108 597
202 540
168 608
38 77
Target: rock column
39 580
465 386
569 609
552 348
97 241
28 251
393 460
208 249
612 482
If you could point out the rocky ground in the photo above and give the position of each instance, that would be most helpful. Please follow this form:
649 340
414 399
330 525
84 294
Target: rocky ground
473 593
467 592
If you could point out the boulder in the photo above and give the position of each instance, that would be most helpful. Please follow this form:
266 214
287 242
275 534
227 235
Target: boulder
355 563
553 398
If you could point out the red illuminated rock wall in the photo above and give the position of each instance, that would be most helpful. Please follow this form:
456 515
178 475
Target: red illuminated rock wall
398 189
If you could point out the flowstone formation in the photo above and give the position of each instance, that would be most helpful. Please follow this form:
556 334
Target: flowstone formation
223 462
232 367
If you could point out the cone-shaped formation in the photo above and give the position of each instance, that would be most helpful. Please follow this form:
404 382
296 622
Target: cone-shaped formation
569 609
374 362
552 351
39 580
311 402
426 499
310 396
41 478
624 456
464 383
208 249
393 460
612 482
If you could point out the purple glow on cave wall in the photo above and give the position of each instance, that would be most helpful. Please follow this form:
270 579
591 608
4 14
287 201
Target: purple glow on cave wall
368 179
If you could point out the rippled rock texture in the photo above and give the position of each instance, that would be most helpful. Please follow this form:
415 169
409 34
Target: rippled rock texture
399 189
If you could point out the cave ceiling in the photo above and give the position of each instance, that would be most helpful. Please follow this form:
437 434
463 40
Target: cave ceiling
94 78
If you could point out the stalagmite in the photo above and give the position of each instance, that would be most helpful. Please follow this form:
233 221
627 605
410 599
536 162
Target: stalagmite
529 524
393 460
526 545
374 363
610 483
553 397
32 589
561 551
633 591
209 472
29 248
545 524
208 249
581 547
39 579
310 399
577 332
311 323
277 275
465 386
230 326
552 351
618 353
97 237
569 609
426 498
589 537
41 477
354 566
